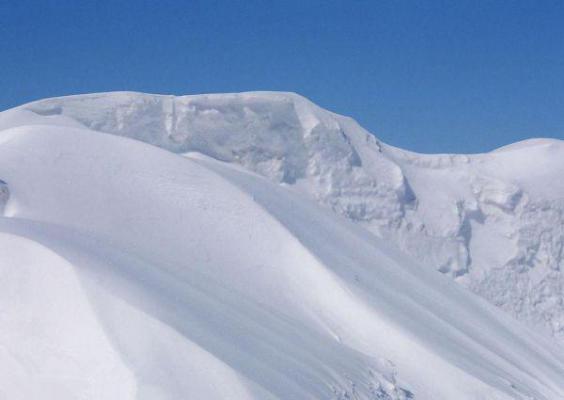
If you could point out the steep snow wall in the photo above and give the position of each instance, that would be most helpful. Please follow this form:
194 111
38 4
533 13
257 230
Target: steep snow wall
493 222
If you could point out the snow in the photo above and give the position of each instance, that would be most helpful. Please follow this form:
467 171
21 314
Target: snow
493 222
132 272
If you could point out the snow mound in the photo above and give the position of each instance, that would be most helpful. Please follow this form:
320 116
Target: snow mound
132 272
493 222
527 144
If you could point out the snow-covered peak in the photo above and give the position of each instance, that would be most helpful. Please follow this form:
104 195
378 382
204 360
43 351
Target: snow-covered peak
253 129
493 221
183 272
282 136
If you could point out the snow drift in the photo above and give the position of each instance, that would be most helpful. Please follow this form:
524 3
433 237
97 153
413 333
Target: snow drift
132 272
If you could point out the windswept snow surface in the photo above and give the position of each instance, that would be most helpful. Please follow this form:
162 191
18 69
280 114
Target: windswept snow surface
132 272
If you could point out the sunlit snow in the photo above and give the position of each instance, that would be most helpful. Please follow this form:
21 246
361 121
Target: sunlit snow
256 246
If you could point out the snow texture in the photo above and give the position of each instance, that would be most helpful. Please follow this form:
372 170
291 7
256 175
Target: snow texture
132 272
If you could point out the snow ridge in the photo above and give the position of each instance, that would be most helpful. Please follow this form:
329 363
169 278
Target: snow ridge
213 272
490 221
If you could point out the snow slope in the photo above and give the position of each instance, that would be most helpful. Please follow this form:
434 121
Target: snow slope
130 272
494 222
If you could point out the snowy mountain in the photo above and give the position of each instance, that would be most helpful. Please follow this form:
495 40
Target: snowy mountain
207 268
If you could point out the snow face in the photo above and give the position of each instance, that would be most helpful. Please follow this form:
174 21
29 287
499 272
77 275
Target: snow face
192 277
493 222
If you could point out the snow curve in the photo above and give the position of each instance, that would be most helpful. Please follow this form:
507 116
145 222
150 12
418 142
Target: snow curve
199 279
493 222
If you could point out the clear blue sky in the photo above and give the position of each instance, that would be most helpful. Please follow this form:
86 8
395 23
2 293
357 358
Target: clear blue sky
431 76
